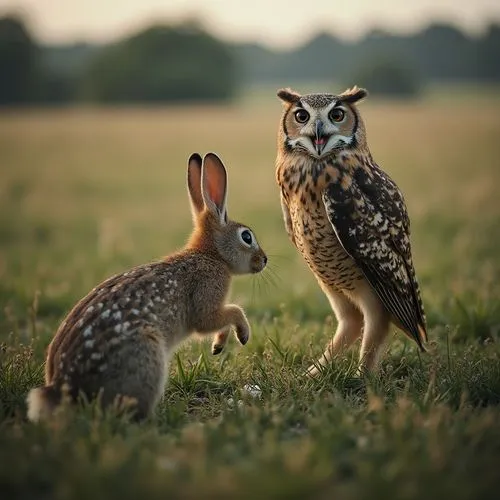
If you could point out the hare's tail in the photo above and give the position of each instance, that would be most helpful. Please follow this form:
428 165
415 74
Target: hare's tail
42 402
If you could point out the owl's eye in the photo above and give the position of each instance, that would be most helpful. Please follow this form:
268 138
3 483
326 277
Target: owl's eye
337 114
246 237
301 115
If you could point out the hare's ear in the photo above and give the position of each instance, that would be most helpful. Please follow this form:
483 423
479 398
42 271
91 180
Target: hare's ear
214 186
194 183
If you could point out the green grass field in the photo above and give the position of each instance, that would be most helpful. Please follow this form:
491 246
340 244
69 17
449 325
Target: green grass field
87 193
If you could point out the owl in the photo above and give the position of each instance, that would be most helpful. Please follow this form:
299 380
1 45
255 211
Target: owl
348 220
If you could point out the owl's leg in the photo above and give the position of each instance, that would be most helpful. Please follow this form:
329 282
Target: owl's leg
375 330
349 327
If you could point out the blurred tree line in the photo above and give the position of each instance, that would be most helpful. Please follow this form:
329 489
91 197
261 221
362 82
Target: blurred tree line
159 64
183 62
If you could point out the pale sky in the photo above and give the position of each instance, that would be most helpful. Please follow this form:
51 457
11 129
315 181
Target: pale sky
278 23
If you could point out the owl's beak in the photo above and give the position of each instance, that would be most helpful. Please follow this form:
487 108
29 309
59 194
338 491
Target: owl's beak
319 137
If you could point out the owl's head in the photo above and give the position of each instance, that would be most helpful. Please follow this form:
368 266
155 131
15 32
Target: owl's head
321 124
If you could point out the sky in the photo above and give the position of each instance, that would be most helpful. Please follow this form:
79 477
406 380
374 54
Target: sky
277 23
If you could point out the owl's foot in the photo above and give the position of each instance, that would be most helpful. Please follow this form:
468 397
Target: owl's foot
315 369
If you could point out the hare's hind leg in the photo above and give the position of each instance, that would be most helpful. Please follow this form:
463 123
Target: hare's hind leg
137 372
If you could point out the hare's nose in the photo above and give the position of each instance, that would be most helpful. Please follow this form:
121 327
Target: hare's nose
265 259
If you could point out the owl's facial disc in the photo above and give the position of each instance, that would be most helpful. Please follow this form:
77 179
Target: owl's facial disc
320 130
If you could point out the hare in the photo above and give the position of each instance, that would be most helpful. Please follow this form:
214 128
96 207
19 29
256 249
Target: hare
117 341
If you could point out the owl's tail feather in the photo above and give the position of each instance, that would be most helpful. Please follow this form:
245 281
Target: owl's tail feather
418 335
422 337
42 401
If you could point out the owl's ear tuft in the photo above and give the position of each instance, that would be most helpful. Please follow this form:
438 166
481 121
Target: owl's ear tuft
288 95
353 94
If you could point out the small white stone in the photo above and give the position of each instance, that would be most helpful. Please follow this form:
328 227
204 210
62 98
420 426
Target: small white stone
105 314
118 328
79 324
89 343
114 340
117 315
100 305
114 307
96 355
87 332
135 311
253 390
89 309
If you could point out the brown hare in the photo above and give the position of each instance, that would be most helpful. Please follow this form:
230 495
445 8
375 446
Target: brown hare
117 341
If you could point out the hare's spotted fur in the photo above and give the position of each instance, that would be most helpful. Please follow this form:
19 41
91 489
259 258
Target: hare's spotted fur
117 341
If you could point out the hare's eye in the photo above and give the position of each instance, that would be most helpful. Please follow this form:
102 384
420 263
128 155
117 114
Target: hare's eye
246 237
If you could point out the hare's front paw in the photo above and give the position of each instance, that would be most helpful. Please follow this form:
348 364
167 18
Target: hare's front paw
243 333
219 341
217 348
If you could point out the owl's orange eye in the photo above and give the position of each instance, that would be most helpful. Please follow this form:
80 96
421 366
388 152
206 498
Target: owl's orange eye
336 114
301 115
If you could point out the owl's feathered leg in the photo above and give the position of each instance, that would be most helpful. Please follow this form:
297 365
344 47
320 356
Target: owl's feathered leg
349 328
375 330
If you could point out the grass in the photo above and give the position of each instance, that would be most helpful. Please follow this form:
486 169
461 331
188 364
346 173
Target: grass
86 193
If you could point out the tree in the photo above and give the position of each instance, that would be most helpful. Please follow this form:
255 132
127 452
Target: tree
387 76
488 49
18 63
162 64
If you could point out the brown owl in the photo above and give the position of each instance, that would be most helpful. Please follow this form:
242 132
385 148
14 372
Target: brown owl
348 220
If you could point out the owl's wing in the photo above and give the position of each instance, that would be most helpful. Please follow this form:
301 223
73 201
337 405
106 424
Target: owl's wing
286 216
370 219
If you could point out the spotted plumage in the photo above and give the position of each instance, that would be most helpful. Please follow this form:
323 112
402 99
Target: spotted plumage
348 220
